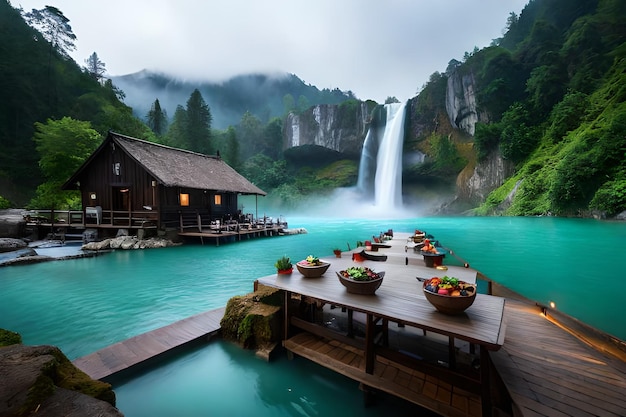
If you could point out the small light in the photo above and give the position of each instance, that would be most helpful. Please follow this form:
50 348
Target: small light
92 196
552 305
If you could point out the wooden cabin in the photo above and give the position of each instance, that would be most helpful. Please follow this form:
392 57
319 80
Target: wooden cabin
136 184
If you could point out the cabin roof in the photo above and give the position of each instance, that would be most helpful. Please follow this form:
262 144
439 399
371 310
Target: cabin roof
180 168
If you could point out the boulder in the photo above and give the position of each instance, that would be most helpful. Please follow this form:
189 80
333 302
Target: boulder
253 320
129 242
8 244
41 380
12 223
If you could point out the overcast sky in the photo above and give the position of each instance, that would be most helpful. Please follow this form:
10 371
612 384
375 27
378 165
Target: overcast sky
375 48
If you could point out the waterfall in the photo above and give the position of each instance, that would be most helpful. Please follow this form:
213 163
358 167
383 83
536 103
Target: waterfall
380 170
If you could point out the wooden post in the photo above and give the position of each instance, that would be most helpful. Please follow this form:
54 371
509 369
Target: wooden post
451 353
369 344
485 383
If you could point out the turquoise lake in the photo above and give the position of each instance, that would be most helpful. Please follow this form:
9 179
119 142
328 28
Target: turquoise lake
83 305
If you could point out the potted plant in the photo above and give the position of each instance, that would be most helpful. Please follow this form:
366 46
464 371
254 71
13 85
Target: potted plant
337 252
283 265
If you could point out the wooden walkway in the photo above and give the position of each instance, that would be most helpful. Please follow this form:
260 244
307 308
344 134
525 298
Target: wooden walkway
550 372
236 234
136 350
391 377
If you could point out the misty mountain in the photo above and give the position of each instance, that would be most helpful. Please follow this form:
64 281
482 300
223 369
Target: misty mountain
262 95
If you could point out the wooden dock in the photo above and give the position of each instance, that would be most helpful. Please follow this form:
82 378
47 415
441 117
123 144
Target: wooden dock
544 369
393 377
234 233
550 372
139 349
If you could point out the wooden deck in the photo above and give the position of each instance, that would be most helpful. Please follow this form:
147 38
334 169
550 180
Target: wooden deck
238 234
136 350
550 372
389 376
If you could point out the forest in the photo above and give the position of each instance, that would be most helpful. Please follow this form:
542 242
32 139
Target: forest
550 95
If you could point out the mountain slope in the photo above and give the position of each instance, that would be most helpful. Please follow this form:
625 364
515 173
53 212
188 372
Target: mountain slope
263 95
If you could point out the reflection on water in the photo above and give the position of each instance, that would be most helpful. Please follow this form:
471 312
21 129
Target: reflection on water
221 379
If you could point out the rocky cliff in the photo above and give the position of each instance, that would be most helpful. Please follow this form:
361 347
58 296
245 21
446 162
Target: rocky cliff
485 177
340 128
461 102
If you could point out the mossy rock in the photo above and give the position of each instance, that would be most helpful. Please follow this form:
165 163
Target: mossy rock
8 337
252 320
35 375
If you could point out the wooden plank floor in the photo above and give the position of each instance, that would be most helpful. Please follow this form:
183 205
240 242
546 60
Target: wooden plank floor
549 372
388 376
123 355
243 232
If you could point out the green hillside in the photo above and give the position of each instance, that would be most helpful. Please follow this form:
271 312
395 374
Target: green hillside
551 99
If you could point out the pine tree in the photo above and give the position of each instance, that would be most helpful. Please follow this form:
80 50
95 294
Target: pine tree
157 118
95 68
198 124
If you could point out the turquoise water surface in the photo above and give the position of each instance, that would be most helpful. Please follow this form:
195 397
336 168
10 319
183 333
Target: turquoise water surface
83 305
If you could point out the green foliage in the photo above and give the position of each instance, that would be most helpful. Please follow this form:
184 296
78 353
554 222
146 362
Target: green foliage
447 161
431 100
519 135
8 337
567 115
157 118
227 145
486 139
610 197
249 131
191 125
347 114
283 263
4 203
63 146
197 130
265 172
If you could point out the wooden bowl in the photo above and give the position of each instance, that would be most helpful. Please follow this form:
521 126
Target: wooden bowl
313 271
448 304
361 287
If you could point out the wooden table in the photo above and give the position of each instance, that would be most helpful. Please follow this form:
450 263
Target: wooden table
400 299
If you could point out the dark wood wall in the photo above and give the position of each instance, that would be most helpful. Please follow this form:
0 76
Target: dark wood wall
111 172
119 183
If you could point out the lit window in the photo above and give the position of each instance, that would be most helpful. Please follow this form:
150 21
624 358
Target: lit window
184 199
116 168
218 199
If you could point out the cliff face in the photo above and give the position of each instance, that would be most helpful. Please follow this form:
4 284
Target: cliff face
486 176
461 102
338 128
